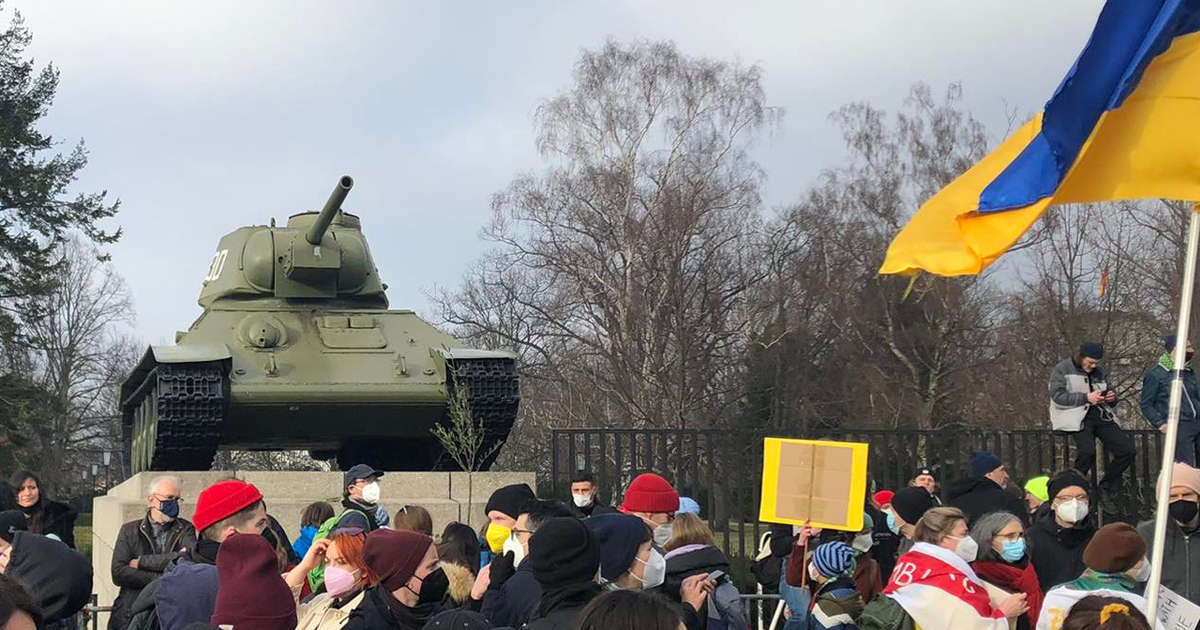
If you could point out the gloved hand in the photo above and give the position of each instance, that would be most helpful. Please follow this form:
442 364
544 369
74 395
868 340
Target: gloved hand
502 568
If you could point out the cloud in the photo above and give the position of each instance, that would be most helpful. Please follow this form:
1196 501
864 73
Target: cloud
204 117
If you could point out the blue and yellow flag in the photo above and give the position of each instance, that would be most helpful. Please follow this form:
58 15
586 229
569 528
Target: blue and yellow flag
1124 124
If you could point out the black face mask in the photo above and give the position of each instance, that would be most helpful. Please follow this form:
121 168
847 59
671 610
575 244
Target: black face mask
1183 511
433 587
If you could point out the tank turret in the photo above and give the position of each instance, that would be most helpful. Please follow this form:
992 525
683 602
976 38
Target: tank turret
296 348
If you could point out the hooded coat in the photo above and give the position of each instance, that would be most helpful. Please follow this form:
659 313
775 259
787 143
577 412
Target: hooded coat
977 496
1057 552
56 575
461 580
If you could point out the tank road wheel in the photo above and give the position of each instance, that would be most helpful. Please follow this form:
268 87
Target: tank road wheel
174 418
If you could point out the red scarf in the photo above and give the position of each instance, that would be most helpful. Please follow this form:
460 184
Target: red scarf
1014 579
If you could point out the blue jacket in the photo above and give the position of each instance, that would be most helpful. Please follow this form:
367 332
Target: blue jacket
513 603
1156 395
305 540
187 594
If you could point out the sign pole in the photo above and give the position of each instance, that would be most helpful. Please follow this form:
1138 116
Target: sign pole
1179 356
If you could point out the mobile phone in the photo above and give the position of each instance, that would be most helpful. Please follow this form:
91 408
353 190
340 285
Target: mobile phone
716 575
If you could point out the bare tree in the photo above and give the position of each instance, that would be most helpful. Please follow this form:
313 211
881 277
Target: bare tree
463 438
80 350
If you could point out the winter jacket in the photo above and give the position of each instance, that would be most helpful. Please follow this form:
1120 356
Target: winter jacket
594 509
1181 569
885 543
304 540
58 577
885 614
136 540
57 521
187 593
1069 388
838 606
511 603
461 581
377 515
977 496
867 577
379 610
560 606
1057 552
1156 394
323 612
724 608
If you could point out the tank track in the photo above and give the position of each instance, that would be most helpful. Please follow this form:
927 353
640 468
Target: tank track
186 404
494 391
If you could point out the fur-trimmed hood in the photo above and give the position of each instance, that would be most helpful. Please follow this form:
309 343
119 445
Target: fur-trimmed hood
461 580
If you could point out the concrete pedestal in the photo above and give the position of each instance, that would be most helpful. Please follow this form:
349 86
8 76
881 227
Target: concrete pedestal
286 494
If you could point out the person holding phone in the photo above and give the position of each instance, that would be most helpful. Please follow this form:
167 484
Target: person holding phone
1081 403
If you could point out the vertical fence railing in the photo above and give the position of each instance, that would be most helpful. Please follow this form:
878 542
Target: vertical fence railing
721 469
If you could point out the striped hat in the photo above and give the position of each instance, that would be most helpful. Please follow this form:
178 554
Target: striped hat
833 559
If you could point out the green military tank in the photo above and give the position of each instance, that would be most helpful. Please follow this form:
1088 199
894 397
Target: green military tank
296 349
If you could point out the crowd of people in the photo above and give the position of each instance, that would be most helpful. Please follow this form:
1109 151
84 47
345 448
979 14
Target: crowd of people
981 558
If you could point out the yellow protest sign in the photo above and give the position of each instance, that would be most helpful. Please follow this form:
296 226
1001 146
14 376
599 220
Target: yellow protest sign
821 483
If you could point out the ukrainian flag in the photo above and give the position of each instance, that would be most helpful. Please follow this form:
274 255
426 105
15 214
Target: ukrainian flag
1124 124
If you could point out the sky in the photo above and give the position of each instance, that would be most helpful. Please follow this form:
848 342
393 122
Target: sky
203 117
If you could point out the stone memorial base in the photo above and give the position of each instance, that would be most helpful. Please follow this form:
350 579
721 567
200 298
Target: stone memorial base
448 497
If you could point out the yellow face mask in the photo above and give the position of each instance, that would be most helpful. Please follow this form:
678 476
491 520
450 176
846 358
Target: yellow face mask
496 535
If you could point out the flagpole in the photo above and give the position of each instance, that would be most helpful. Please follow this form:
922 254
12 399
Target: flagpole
1179 356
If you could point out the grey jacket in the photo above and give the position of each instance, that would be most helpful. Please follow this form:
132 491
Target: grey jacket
1181 569
1069 390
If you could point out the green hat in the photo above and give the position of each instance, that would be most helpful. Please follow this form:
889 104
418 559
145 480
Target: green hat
1037 487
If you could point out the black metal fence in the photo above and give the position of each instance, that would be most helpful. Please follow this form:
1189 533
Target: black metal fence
722 469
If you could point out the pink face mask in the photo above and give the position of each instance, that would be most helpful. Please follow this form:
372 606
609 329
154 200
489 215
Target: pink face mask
338 581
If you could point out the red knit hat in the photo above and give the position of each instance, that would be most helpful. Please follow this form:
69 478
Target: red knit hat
395 555
222 500
252 594
651 494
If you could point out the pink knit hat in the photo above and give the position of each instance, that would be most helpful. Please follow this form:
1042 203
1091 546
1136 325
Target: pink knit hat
1186 476
651 494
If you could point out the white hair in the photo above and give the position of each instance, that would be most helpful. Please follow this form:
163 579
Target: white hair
154 483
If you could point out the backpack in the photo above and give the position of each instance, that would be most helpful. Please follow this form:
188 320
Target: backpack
767 569
725 611
883 613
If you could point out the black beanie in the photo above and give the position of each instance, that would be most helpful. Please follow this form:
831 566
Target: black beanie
911 503
1091 350
510 500
564 551
1066 480
11 522
620 536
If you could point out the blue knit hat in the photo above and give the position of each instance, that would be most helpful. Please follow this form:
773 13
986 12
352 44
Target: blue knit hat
688 505
983 463
833 559
620 536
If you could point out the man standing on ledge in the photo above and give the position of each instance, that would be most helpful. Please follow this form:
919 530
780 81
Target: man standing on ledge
360 491
1156 397
1081 402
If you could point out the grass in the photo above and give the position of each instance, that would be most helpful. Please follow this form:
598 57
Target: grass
83 540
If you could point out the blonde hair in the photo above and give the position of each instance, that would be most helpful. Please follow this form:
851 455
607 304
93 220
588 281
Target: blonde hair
937 523
689 530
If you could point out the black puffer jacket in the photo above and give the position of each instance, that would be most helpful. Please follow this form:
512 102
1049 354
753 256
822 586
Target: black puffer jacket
977 496
1057 552
56 575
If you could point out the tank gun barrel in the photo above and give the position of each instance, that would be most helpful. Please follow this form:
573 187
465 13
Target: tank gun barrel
317 231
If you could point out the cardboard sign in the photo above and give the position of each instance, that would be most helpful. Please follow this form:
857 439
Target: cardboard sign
823 484
1176 612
